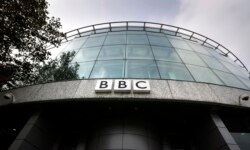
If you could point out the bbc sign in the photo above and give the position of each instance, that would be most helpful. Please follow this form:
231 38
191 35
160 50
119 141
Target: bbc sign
122 86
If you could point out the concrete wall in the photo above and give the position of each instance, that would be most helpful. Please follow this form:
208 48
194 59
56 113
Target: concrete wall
161 90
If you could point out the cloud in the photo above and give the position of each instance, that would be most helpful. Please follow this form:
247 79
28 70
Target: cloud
78 13
225 21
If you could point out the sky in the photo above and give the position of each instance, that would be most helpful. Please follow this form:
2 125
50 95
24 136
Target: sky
225 21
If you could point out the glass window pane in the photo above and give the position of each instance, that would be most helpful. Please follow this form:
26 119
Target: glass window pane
156 34
174 71
152 29
75 44
221 57
108 69
139 52
215 53
179 44
118 29
87 33
246 81
165 53
112 52
199 48
115 39
137 39
168 32
243 72
94 41
159 41
98 34
190 57
85 69
116 32
141 69
214 63
136 32
229 79
135 28
86 54
102 30
236 70
203 74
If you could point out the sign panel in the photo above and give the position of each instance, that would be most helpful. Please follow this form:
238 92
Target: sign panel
141 86
122 86
104 86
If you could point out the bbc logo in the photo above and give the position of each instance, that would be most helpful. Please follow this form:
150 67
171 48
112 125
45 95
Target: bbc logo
122 86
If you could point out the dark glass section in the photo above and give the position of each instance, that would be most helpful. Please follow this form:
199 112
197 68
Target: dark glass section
238 124
242 140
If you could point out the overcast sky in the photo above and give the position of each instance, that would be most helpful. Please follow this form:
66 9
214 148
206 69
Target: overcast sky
225 21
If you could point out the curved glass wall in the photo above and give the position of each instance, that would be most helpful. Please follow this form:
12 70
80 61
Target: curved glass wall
151 54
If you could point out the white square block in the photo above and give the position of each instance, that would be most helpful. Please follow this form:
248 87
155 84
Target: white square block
104 86
122 86
141 86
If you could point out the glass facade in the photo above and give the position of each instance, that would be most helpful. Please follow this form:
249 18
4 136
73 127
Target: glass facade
143 53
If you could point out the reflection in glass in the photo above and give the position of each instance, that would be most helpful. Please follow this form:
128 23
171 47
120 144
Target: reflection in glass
137 39
246 81
136 32
85 69
134 28
141 69
235 70
86 54
179 44
75 44
115 39
165 53
203 74
108 69
56 50
94 41
243 72
177 71
150 54
152 29
117 32
229 79
119 28
156 33
159 41
168 32
221 57
112 52
102 30
199 48
190 57
139 52
214 63
98 34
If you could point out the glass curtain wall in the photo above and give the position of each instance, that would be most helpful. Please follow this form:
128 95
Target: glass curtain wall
151 55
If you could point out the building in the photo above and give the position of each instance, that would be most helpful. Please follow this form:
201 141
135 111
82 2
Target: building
141 86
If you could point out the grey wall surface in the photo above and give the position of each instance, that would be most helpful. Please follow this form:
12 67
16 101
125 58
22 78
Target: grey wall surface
161 90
